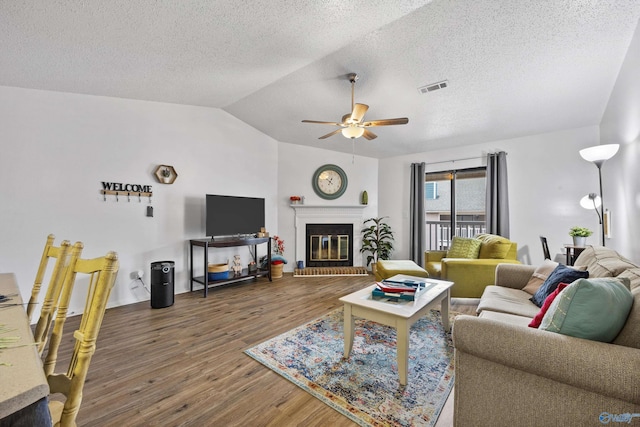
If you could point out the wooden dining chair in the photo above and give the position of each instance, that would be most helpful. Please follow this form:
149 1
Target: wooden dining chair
545 247
53 293
102 274
50 251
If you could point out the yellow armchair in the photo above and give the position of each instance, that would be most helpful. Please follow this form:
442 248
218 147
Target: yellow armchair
471 275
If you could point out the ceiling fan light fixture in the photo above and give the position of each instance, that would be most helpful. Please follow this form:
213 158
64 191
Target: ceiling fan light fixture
352 132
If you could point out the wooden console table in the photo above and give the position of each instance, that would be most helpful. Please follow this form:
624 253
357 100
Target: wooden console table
226 243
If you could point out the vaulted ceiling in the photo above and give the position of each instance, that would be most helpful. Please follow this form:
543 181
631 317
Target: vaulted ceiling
512 68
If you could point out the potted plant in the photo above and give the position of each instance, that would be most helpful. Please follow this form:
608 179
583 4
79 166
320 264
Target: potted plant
377 240
579 235
166 174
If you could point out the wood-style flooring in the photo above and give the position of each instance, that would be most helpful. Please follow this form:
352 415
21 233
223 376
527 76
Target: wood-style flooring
184 364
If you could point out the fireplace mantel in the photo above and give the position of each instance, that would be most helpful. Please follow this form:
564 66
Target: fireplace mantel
328 214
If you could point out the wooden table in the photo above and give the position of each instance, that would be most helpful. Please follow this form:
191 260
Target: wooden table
23 385
400 315
573 252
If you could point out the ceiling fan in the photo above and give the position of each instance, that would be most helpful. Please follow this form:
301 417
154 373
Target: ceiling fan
352 125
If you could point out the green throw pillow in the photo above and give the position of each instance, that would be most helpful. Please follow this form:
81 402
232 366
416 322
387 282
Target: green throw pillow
594 309
463 247
493 247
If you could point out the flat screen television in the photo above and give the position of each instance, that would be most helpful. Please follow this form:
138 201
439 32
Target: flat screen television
232 216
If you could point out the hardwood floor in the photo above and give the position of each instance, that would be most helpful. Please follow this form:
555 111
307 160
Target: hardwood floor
184 364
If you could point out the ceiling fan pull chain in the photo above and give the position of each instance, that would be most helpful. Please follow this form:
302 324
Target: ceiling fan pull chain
353 150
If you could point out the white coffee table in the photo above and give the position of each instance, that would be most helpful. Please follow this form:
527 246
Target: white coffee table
400 315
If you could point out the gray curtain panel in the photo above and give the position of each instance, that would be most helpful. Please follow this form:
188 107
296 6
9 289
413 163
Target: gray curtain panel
497 194
417 228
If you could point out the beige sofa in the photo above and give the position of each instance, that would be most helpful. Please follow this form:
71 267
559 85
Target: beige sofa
509 374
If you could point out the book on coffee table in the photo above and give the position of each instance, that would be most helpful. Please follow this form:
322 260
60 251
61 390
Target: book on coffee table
395 287
393 296
398 293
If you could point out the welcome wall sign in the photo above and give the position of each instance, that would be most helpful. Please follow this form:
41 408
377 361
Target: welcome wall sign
118 189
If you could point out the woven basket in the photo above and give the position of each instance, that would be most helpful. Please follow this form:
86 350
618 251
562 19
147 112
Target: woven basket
218 268
276 271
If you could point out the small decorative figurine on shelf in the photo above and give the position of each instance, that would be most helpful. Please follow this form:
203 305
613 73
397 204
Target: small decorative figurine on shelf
237 265
253 267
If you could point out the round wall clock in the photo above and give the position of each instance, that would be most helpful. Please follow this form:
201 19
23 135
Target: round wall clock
329 182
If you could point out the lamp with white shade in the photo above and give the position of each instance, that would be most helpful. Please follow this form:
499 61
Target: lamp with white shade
598 155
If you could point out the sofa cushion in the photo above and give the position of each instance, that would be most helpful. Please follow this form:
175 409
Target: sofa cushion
535 322
603 262
539 276
496 247
629 336
561 273
464 247
506 318
594 309
507 300
633 274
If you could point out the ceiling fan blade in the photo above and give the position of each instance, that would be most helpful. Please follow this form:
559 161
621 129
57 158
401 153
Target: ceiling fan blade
331 134
359 110
387 122
369 135
322 123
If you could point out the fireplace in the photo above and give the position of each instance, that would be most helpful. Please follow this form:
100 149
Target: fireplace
329 215
329 245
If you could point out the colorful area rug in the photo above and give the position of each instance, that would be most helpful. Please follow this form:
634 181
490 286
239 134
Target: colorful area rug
330 271
365 387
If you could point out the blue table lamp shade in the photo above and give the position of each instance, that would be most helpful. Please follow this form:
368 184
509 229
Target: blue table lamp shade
598 155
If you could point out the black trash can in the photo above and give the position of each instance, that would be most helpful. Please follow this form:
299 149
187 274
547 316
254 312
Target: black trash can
162 288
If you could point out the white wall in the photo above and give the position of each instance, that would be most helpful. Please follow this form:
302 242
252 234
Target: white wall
621 125
296 167
547 178
57 148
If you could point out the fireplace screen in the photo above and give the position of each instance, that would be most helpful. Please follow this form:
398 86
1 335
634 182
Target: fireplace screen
329 248
329 245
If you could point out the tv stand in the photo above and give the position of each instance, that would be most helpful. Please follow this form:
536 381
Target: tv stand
226 243
232 237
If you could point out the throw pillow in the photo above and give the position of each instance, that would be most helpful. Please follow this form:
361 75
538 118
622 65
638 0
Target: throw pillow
561 273
594 309
545 307
493 247
275 259
539 276
464 247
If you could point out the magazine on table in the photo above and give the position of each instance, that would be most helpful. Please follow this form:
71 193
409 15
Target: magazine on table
396 290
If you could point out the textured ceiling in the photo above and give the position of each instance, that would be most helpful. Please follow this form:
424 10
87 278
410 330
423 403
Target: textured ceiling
513 68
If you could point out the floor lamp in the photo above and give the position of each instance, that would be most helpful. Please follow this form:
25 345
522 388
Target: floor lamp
592 201
598 155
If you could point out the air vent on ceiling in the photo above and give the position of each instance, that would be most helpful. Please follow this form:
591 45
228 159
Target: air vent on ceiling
433 86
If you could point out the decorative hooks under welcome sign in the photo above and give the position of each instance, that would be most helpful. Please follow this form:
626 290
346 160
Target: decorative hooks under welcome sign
118 189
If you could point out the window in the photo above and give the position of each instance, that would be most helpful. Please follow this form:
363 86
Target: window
454 205
431 190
